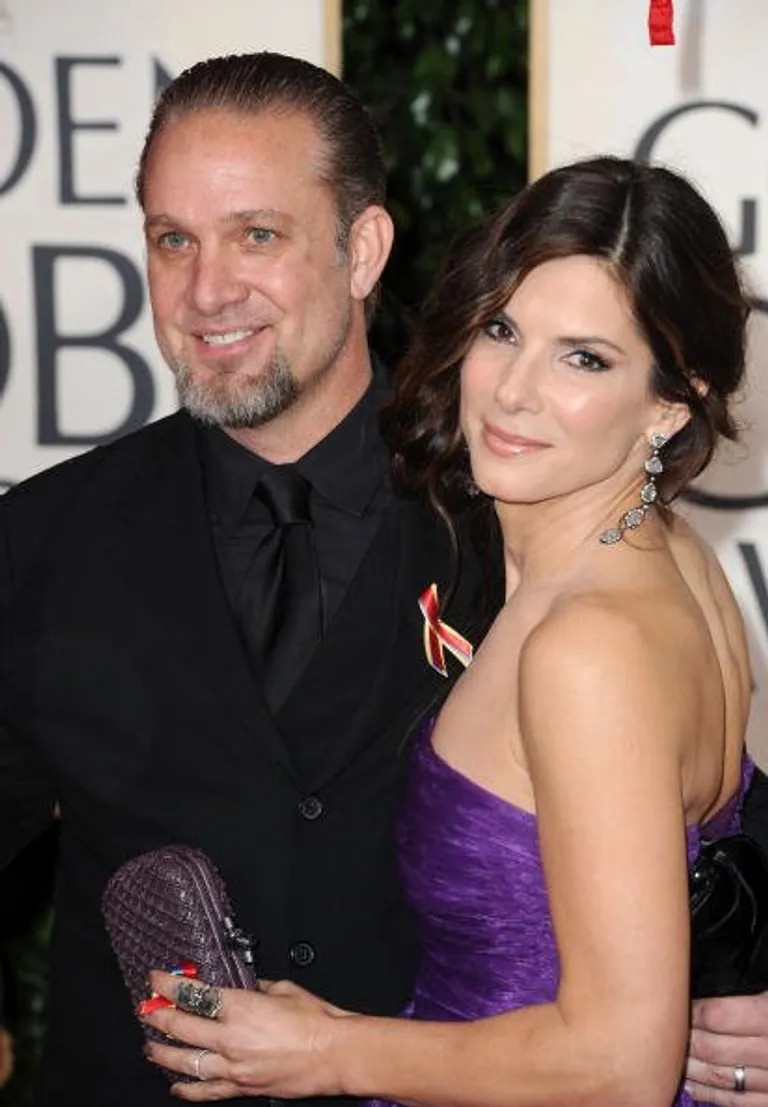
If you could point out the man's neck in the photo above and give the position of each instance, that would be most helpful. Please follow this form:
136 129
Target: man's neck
309 419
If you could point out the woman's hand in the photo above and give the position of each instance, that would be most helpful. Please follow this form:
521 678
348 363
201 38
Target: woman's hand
274 1042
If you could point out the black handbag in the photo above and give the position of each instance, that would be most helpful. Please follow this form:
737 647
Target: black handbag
729 918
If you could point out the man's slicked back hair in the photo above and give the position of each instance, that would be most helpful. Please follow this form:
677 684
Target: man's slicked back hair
249 84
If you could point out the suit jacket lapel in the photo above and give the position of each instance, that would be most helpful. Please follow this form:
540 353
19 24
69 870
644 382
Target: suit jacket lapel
467 585
163 548
377 641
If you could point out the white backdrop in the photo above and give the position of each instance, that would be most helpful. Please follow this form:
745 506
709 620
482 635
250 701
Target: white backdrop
700 106
78 363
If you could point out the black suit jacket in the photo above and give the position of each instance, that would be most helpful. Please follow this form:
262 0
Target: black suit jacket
125 697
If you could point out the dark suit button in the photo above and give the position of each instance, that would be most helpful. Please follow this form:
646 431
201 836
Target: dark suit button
311 808
302 954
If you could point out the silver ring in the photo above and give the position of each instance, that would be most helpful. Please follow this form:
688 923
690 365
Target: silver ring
740 1078
198 999
198 1062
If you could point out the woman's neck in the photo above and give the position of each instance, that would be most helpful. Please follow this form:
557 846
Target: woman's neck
550 540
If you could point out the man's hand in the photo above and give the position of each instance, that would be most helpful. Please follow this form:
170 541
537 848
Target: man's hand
729 1047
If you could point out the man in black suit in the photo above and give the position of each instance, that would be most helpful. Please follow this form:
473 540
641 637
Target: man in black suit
210 630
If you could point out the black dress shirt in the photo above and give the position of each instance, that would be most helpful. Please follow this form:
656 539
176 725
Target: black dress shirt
348 472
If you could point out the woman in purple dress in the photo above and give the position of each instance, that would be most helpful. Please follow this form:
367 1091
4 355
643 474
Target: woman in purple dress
572 373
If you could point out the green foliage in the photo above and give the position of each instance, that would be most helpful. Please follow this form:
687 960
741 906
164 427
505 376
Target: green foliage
446 81
27 955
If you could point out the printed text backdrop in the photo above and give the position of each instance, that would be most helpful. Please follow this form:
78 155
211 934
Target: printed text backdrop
78 363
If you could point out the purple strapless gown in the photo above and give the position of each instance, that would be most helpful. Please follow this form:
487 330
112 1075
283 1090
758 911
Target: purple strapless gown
470 866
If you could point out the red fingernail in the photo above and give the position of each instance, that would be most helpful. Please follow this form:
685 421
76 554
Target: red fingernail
154 1003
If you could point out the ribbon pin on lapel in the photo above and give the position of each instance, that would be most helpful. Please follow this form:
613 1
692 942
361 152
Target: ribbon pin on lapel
438 636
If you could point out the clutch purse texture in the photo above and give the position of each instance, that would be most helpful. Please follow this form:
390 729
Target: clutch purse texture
170 906
729 918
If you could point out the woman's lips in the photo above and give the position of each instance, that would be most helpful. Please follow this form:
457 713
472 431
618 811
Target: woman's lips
510 445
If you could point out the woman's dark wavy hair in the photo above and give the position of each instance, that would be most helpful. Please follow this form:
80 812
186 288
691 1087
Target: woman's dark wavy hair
665 246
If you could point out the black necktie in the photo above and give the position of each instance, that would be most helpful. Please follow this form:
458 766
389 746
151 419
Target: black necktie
281 617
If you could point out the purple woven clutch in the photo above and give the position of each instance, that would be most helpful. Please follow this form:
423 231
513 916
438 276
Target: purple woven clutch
169 906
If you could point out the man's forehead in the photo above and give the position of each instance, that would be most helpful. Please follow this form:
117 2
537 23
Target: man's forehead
255 141
273 120
230 160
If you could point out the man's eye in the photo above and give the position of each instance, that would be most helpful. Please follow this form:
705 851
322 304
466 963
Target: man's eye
260 236
499 330
172 240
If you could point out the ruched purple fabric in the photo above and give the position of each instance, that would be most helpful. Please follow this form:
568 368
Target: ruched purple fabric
471 868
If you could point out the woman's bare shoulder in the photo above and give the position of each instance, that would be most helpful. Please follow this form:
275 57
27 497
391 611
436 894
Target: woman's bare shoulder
594 628
705 577
696 560
599 669
700 568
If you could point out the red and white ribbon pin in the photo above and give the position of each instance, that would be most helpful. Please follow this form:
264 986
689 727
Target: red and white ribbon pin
438 636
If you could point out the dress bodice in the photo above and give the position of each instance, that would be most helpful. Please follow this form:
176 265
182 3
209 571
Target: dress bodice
471 868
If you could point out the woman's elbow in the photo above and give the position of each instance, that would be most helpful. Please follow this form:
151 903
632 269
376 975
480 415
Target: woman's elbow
632 1061
644 1073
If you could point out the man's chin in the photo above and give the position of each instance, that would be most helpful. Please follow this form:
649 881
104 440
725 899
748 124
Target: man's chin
237 408
230 422
226 416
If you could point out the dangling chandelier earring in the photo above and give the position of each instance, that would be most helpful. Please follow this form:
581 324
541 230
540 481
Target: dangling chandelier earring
632 519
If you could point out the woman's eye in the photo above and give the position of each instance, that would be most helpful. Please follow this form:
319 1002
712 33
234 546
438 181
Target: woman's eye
499 330
260 236
585 359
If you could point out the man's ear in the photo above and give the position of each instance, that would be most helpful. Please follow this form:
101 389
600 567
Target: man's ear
370 242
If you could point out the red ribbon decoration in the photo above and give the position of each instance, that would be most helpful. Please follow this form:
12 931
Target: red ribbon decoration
438 636
660 23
